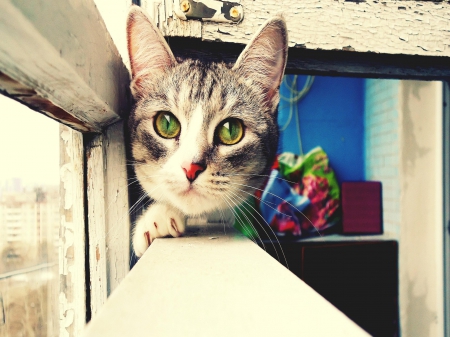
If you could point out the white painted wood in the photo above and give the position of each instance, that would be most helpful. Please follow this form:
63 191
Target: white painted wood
421 290
72 296
63 53
392 27
216 285
116 213
108 218
162 13
95 159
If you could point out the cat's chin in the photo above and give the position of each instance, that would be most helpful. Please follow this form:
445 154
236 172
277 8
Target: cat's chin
193 203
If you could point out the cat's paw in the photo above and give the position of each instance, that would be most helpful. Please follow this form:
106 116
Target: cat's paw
159 220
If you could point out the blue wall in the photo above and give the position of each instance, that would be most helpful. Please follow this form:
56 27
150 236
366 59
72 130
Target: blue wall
331 115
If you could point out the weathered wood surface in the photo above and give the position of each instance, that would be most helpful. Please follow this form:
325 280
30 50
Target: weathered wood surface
382 39
58 58
163 15
72 296
95 165
108 219
116 212
216 285
326 63
392 27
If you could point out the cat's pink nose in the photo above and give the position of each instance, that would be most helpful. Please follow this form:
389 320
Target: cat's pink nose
192 170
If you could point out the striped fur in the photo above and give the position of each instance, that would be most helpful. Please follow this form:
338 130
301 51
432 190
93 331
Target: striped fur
201 95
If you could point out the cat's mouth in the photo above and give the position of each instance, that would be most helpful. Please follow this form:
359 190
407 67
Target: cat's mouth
190 191
194 200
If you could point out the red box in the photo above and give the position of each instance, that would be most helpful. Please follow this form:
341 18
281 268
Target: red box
362 208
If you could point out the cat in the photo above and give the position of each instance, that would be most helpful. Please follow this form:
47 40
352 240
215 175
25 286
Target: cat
203 135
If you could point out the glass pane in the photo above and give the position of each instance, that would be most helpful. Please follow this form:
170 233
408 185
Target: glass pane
29 222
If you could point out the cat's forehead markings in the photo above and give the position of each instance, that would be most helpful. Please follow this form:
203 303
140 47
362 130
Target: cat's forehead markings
195 122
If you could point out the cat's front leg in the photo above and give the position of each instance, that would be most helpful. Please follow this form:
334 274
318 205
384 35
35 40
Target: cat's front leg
159 220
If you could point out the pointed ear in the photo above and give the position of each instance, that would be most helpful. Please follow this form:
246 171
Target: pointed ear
263 61
147 48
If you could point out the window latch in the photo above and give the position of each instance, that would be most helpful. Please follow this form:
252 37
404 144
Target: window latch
210 10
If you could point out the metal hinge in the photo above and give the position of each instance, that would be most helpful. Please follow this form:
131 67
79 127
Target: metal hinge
210 10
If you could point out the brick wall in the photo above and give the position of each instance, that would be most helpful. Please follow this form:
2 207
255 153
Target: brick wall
381 148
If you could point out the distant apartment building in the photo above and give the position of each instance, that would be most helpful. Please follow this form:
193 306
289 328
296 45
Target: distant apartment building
18 217
30 219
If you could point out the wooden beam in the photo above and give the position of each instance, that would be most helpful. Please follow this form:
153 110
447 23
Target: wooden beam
58 58
211 284
370 26
323 62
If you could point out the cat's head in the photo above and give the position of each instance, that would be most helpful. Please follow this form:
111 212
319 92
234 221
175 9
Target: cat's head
203 135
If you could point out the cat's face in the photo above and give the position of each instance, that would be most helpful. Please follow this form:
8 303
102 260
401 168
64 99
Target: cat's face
203 135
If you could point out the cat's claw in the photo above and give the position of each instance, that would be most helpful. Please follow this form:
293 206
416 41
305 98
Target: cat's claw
159 220
148 238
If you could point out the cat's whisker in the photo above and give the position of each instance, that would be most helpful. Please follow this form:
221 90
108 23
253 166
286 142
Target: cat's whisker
116 226
249 222
262 226
262 175
136 204
120 191
125 190
132 255
135 164
131 209
153 176
265 202
244 201
255 188
223 220
238 218
222 215
253 227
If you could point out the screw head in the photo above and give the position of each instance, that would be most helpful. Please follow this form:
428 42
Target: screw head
185 6
234 13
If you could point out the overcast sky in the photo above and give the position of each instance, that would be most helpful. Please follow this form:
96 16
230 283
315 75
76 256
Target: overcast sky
29 145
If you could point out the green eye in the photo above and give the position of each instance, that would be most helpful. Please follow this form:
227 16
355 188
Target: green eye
167 125
230 131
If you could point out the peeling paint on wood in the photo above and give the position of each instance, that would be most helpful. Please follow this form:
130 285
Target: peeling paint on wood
64 54
72 297
162 12
109 225
117 207
95 162
390 27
